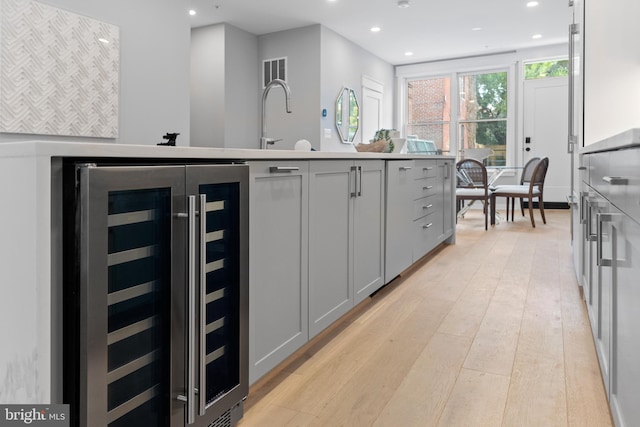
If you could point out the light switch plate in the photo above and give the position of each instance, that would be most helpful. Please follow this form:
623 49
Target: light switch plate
327 133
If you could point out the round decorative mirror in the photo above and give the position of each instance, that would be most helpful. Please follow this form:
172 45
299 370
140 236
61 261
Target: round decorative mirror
347 115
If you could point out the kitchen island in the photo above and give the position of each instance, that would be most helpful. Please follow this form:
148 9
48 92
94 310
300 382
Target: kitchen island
308 192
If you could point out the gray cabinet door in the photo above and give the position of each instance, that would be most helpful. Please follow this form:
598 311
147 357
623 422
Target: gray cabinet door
445 170
604 273
368 229
625 352
332 186
279 262
399 209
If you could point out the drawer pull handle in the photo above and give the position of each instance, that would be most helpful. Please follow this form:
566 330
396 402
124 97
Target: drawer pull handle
615 180
428 188
582 168
428 169
427 226
277 169
405 168
428 206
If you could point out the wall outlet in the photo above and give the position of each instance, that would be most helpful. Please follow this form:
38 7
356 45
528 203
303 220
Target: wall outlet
327 133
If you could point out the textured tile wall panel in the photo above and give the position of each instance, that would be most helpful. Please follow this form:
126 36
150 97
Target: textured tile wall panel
59 72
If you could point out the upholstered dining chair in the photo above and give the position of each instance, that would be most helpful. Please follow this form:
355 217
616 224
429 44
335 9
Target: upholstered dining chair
525 179
533 190
472 184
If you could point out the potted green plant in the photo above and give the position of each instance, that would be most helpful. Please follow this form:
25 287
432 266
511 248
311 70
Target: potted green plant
385 135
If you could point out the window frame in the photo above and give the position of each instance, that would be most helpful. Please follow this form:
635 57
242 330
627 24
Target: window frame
405 124
454 73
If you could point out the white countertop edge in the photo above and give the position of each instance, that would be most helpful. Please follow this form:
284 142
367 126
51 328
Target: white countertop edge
102 150
627 139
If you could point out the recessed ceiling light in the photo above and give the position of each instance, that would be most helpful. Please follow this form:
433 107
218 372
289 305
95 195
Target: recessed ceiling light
375 29
408 53
105 41
532 4
192 12
403 3
476 29
536 36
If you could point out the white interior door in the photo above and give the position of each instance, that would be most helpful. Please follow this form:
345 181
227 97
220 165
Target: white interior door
546 103
371 114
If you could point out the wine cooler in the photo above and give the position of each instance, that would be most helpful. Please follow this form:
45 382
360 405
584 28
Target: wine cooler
155 298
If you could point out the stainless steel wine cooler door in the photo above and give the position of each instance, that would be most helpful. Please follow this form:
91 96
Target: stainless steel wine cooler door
163 294
127 222
220 361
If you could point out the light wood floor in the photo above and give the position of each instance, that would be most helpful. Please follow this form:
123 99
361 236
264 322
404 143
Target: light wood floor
491 331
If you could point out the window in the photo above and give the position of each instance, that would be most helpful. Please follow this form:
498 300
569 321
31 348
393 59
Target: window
429 111
545 69
483 115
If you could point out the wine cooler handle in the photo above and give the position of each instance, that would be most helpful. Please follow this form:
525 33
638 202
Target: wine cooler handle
191 322
202 388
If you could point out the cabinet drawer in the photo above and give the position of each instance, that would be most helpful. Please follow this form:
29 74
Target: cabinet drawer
425 187
425 236
616 176
425 169
423 206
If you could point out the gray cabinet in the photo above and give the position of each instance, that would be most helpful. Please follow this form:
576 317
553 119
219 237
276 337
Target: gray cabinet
400 215
611 256
445 175
368 229
278 251
428 213
625 351
346 201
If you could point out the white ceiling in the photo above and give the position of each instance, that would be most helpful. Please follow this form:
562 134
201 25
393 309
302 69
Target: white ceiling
431 29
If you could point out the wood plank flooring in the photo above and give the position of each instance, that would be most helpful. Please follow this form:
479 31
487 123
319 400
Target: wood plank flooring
491 331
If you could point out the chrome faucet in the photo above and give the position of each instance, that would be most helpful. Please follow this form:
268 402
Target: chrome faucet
264 141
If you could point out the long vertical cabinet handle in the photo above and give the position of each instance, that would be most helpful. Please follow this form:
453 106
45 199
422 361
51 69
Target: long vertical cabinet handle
360 181
354 171
191 320
591 236
602 218
202 357
573 31
583 202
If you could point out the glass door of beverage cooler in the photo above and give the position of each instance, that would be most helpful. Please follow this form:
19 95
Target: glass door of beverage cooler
220 361
162 295
129 298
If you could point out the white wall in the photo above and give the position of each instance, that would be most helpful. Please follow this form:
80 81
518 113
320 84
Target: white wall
154 68
612 68
224 87
242 92
301 47
343 65
207 86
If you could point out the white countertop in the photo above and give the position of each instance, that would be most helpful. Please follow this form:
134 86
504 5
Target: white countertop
102 150
627 139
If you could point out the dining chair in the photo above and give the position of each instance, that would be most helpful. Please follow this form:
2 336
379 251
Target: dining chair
472 185
533 190
525 179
